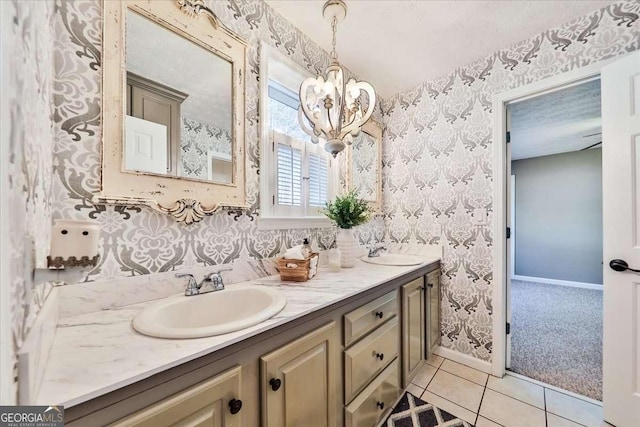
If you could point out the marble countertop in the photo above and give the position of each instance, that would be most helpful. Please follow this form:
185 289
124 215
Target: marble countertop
99 352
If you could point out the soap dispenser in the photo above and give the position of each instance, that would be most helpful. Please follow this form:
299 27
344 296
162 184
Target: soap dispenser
306 248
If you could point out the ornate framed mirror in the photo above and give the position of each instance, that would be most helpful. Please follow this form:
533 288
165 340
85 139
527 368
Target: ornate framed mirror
364 165
173 109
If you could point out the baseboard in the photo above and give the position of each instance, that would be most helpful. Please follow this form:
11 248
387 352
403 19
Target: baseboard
464 359
558 282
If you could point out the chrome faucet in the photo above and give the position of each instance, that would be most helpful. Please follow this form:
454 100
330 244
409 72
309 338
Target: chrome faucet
375 251
212 282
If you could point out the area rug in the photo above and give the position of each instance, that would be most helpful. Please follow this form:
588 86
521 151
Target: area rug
413 412
556 336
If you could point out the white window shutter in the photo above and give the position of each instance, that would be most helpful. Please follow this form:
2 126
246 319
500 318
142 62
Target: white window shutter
289 176
289 162
318 180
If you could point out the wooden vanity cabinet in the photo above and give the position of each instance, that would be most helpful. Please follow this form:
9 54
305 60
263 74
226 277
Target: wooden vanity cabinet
343 366
216 402
298 381
433 311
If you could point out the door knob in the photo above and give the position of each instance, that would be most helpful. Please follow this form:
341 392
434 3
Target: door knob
621 265
275 384
235 405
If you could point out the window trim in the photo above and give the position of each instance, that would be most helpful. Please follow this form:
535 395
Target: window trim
285 72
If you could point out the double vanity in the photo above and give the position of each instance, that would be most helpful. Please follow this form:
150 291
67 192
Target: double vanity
338 353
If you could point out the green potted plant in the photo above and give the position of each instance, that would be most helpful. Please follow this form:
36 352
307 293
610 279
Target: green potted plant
347 211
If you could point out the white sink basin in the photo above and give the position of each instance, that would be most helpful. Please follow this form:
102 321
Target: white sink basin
394 259
215 313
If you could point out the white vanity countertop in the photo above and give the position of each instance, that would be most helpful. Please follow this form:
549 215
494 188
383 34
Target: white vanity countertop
99 352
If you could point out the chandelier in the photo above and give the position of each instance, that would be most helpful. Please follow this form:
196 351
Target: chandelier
330 109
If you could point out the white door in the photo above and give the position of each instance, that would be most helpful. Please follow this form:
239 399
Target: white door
621 226
146 146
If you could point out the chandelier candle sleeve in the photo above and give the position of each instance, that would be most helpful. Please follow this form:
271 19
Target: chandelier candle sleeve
330 109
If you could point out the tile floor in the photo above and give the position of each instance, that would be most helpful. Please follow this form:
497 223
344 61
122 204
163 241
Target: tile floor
487 401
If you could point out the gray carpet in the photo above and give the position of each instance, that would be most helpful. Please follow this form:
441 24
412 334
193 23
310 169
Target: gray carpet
556 336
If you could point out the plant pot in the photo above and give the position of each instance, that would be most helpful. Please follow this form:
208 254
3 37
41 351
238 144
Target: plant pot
346 242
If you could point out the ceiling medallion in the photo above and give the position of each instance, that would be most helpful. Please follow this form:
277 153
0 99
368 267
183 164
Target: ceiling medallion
330 109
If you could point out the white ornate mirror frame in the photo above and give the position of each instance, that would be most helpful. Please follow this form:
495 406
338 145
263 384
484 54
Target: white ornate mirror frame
373 129
185 200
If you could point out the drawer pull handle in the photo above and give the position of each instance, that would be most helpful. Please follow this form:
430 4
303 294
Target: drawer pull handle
275 384
379 314
380 405
235 405
379 355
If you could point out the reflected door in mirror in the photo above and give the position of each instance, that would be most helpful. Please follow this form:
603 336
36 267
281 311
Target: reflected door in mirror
177 87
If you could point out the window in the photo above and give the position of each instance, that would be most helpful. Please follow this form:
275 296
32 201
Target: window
303 173
297 176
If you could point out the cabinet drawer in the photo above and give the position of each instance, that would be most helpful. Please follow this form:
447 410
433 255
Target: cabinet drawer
368 357
368 407
366 318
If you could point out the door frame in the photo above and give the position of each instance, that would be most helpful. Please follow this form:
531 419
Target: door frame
500 100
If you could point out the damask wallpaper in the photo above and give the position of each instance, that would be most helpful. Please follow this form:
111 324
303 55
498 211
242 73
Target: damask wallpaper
438 161
27 98
136 240
364 171
196 140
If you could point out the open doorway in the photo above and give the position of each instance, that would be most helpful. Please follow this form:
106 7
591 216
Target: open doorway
554 256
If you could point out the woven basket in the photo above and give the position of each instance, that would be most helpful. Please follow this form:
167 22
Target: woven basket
295 270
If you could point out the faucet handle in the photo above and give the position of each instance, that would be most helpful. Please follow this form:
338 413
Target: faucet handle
192 284
213 274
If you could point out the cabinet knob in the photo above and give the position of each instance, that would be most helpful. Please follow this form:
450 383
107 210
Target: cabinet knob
379 314
235 405
421 288
430 285
379 355
275 384
380 405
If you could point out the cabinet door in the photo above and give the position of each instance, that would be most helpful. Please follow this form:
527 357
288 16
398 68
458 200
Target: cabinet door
413 328
433 301
298 381
212 403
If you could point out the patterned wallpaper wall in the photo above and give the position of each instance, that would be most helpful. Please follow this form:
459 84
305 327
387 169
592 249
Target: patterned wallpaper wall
136 240
27 97
438 158
196 140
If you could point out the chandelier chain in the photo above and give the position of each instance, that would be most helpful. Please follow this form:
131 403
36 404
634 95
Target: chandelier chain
334 30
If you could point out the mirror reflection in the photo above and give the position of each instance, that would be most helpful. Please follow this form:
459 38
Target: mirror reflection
364 166
178 105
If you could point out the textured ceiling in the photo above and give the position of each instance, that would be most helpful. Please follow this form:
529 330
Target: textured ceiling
555 123
163 56
396 45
